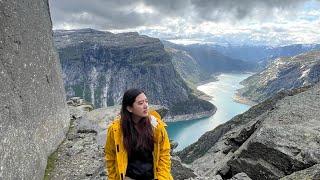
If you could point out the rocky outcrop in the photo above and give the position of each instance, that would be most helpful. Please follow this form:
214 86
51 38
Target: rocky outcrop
272 140
33 114
283 74
101 66
78 106
80 156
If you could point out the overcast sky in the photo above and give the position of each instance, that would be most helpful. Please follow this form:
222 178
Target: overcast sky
265 22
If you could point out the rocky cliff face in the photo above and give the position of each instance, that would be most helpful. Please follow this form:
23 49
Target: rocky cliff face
278 138
33 113
186 66
101 66
282 74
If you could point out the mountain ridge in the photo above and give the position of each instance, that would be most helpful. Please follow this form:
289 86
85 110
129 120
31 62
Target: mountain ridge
213 62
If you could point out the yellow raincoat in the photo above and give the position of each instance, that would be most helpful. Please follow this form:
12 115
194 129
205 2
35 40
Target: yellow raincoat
117 158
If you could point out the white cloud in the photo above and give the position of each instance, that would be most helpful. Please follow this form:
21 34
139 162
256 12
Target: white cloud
144 9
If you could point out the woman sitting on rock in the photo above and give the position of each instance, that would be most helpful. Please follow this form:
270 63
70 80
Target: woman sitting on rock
137 144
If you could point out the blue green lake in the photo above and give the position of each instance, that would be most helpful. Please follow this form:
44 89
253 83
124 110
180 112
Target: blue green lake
222 91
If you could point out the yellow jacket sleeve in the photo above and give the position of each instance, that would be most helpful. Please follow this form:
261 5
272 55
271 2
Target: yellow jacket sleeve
110 155
164 164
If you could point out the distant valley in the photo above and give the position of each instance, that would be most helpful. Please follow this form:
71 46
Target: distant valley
100 66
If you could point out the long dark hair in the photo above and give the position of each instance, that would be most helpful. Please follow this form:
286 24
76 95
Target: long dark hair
140 138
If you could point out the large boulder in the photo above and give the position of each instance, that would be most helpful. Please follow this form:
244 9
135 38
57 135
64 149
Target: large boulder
33 114
288 139
309 173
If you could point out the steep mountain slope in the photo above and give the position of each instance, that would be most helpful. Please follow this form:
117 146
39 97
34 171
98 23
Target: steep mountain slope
281 74
278 138
101 66
186 66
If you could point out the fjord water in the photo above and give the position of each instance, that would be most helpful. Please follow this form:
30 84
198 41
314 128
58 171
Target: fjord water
222 91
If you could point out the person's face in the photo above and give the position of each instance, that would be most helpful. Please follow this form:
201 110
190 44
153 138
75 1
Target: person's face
140 107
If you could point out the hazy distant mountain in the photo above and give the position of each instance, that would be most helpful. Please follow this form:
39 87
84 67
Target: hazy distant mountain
283 74
244 52
100 66
263 53
211 61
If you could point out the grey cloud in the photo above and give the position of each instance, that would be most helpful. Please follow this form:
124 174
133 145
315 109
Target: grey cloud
100 14
170 7
216 10
120 14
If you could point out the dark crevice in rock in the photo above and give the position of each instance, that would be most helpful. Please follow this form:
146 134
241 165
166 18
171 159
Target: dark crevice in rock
47 79
226 176
255 169
87 131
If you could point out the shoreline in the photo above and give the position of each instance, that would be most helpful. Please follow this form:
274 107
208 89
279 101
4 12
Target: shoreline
187 117
243 100
212 78
237 97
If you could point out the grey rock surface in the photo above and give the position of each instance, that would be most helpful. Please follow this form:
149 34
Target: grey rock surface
312 172
241 176
180 171
271 140
81 155
286 141
217 177
33 114
76 112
